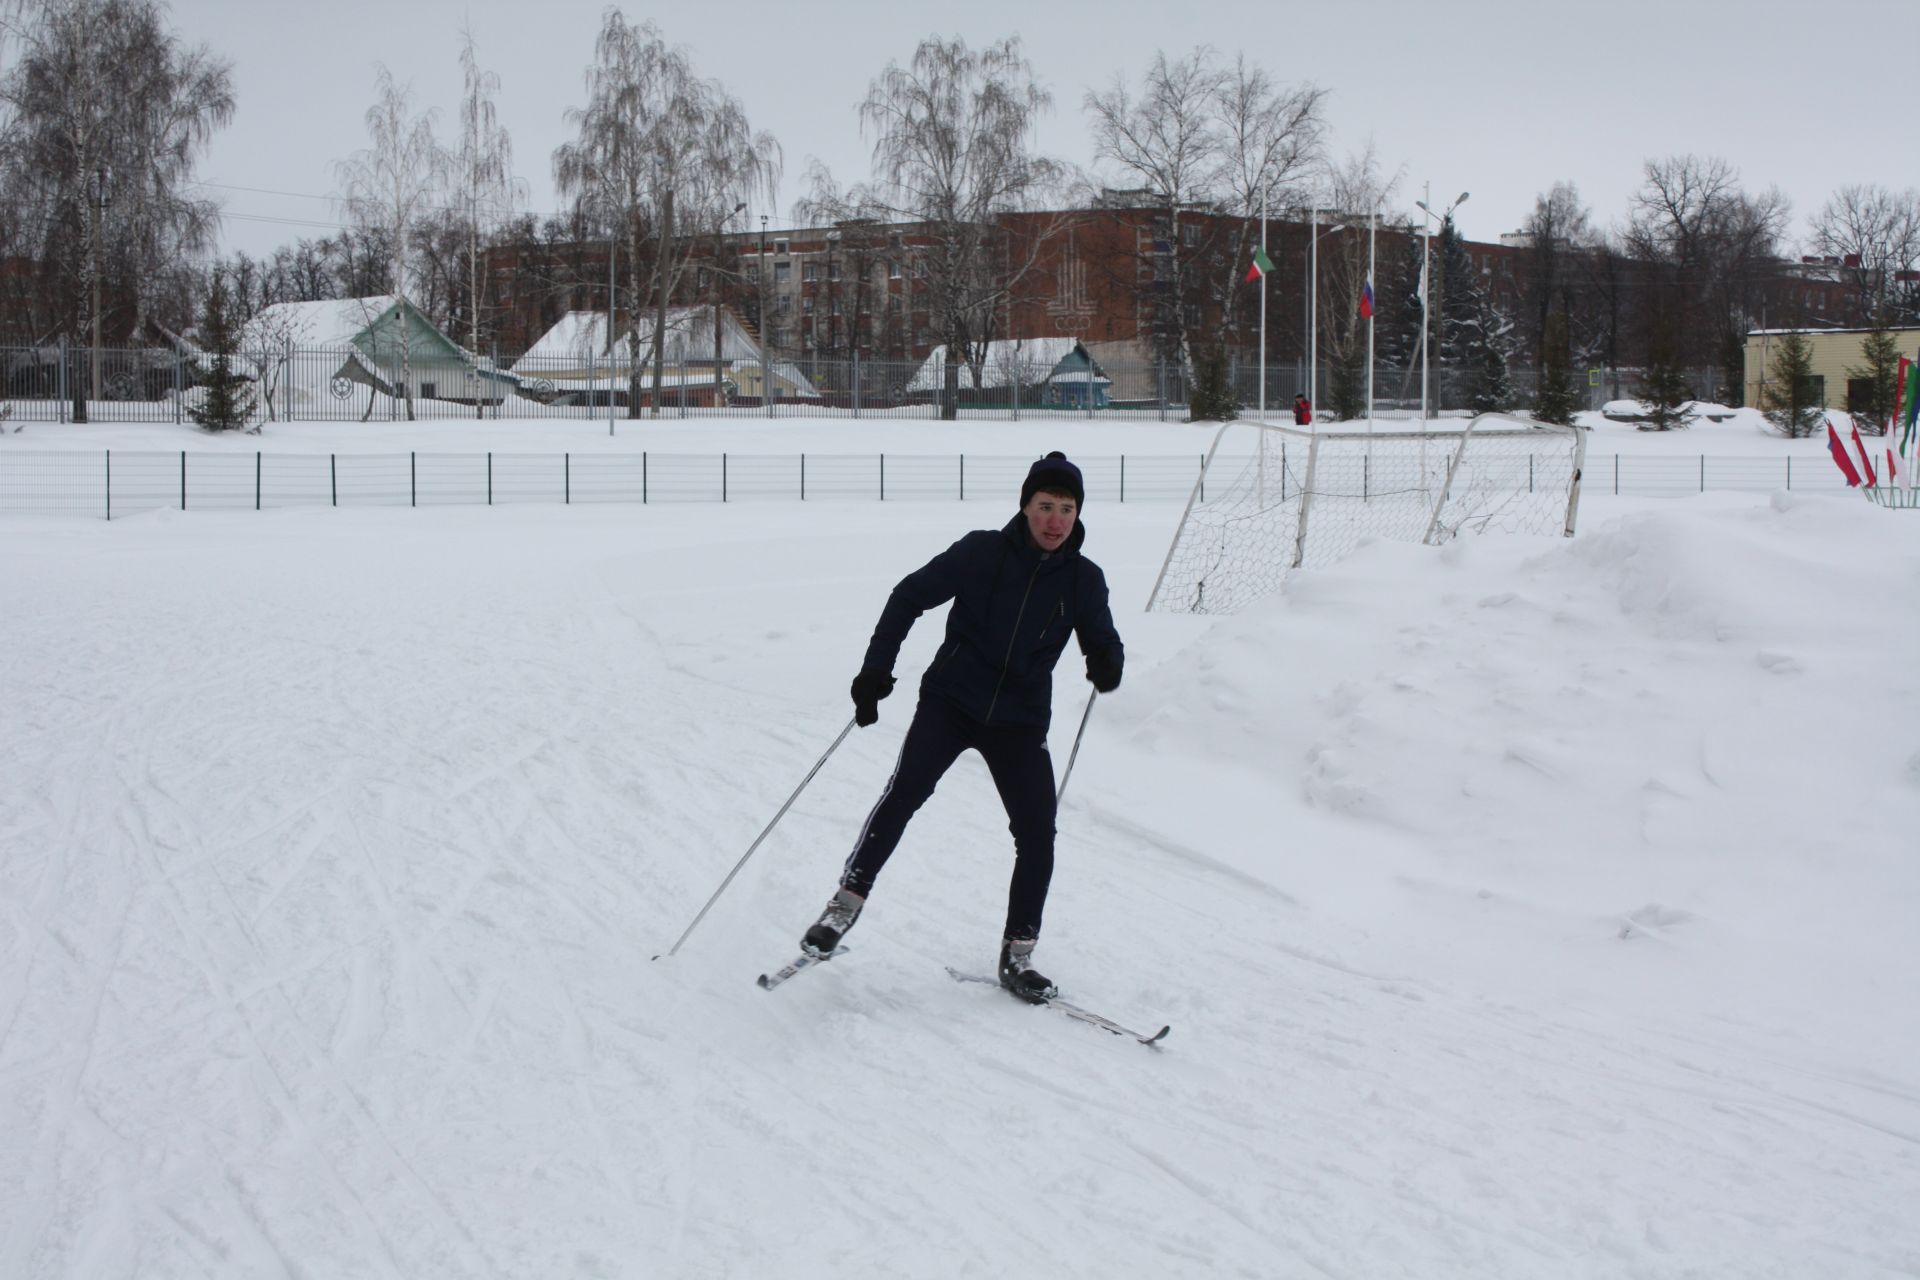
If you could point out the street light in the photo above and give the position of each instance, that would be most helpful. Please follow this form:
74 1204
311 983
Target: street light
1313 307
1429 296
766 376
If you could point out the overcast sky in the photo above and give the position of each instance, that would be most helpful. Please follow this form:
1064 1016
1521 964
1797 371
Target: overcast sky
1500 98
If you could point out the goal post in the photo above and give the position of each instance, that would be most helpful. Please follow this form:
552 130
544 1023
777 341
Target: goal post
1272 498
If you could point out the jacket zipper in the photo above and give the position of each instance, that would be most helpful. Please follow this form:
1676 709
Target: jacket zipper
1013 639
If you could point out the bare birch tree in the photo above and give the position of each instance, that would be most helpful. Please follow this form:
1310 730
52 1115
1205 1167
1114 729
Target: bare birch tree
1273 148
105 115
659 151
391 187
1202 137
952 152
483 173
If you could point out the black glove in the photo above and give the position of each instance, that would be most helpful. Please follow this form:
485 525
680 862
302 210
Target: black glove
1103 668
868 688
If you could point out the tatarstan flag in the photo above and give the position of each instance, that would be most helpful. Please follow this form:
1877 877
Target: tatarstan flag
1366 300
1261 264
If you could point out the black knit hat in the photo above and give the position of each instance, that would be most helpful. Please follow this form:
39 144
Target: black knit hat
1054 472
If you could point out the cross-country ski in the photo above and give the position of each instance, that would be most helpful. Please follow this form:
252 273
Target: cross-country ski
1067 1007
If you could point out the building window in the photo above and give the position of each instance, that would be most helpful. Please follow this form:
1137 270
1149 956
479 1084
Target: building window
1190 234
700 279
782 272
919 268
783 305
809 271
753 273
780 247
806 304
893 268
836 304
833 269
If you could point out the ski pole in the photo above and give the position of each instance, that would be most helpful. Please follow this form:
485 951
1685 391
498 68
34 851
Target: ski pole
762 836
1072 755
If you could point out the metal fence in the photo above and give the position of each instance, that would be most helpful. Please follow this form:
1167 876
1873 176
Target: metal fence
349 383
117 482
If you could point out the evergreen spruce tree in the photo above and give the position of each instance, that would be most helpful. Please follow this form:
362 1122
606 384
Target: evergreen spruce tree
1213 399
1882 356
1347 372
1789 400
1664 389
227 399
1555 399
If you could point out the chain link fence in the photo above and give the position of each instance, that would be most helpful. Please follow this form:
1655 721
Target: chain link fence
118 482
351 383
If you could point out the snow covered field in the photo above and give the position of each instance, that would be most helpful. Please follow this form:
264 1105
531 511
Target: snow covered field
1521 908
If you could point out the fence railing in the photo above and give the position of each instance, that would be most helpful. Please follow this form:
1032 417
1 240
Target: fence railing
118 482
355 383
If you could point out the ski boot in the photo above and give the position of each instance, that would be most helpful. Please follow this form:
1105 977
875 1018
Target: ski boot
1018 975
841 912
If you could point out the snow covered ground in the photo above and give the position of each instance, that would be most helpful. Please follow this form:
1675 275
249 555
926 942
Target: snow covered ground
1521 908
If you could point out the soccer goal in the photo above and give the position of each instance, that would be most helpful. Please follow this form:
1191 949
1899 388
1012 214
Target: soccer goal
1271 499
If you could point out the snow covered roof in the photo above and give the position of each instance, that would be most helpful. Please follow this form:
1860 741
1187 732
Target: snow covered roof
579 337
330 322
1030 360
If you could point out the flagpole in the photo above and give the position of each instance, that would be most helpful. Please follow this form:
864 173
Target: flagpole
1426 253
1313 315
1373 226
1263 309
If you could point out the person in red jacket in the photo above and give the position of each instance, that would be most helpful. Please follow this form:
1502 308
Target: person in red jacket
1302 411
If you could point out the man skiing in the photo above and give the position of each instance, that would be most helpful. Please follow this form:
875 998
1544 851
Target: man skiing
1018 593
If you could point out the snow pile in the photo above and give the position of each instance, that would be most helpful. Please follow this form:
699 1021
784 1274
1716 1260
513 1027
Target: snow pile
1520 909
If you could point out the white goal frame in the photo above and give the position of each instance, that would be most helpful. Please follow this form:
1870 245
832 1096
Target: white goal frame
1286 497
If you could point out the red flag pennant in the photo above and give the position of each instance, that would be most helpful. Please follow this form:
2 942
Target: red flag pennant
1839 452
1866 462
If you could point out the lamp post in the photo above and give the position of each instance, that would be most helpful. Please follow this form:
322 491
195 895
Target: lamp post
1429 296
719 249
766 377
1313 306
101 199
613 247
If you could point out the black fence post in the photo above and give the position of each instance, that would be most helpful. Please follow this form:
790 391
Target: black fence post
723 476
643 477
883 477
489 477
803 477
333 476
566 472
183 479
110 484
963 477
1123 477
413 479
256 479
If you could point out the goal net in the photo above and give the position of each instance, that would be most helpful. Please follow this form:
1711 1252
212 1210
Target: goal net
1271 499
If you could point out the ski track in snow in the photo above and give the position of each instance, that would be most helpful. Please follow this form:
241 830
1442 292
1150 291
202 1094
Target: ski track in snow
336 846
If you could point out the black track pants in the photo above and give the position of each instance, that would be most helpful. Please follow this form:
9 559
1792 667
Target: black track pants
1016 756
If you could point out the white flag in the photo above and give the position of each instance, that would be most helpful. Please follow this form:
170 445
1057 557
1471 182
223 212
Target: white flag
1422 293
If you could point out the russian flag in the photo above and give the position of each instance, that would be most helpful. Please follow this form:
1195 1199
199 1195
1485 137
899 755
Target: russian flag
1366 300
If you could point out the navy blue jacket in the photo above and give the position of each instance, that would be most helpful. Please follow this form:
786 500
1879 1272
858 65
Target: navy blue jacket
1014 606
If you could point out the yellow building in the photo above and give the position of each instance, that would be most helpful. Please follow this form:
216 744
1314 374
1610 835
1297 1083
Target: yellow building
1835 352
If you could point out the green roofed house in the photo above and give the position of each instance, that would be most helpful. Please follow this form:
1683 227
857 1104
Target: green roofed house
312 359
1020 371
